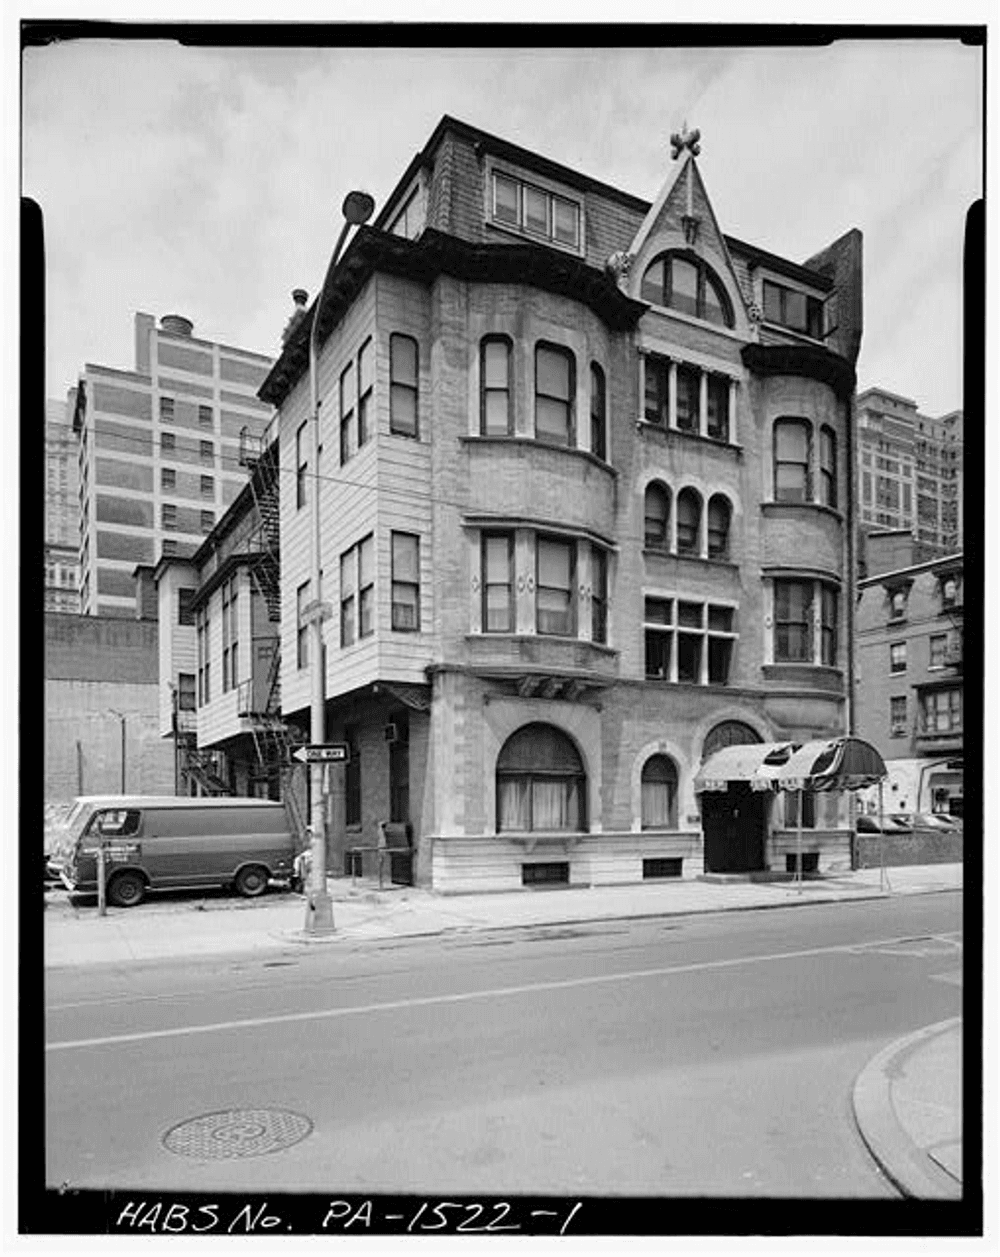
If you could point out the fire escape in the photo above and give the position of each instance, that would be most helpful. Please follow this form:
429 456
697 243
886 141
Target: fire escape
260 697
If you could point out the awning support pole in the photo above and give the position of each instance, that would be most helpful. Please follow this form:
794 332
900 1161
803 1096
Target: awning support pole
798 847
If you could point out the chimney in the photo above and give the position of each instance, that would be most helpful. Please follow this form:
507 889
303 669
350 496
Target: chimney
176 325
300 297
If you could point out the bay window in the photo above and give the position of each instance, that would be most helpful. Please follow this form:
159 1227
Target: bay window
554 391
498 582
496 416
554 581
405 582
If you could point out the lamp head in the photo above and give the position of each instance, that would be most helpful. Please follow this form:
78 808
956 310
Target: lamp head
358 207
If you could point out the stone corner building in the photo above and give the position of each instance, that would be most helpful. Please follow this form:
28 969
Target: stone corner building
586 517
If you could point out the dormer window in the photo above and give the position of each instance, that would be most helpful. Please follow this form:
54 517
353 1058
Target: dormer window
792 309
683 282
897 604
534 211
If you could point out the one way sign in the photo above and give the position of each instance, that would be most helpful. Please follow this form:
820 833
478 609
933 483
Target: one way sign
325 753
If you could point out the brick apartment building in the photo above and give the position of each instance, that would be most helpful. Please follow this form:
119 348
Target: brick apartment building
586 517
158 453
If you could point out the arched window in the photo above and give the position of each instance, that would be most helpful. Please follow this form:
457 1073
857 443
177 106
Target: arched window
496 394
827 466
688 521
656 535
659 793
728 733
792 460
719 514
598 413
682 281
541 784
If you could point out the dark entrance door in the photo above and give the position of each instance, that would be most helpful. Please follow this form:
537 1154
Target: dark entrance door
734 825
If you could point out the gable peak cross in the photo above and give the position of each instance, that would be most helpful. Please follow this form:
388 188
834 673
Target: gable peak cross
685 139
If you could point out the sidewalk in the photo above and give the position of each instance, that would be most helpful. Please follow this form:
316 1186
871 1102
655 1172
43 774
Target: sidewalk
908 1106
171 927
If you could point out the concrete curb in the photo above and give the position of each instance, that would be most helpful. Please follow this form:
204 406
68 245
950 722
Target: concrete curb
905 1164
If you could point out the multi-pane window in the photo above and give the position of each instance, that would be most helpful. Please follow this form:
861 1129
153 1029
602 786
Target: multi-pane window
897 716
659 793
348 586
598 595
793 309
301 467
555 607
168 478
718 527
346 393
205 416
403 367
695 645
207 450
721 639
301 627
793 621
684 282
656 525
185 615
688 399
203 622
718 408
168 515
897 657
942 711
598 412
938 647
535 211
208 486
688 521
827 467
186 695
540 782
496 416
656 406
498 582
658 617
554 390
689 645
405 582
366 385
828 627
366 587
168 442
166 410
792 460
357 591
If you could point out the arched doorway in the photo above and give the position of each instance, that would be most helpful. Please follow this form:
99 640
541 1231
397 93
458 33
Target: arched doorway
734 822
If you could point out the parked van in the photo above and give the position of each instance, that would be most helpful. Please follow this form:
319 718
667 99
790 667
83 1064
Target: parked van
171 843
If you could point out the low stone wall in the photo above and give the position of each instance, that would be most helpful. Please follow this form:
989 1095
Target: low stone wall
921 847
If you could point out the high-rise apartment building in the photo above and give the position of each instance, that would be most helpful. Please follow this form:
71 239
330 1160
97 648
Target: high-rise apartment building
159 453
910 470
62 507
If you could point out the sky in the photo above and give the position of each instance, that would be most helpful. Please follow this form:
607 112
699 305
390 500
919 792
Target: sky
208 182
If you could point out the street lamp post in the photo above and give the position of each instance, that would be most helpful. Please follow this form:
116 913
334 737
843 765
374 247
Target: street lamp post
357 209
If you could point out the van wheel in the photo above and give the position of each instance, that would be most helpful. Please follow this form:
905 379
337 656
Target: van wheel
125 890
251 881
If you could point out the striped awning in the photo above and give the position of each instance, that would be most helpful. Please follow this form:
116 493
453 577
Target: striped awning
834 764
744 762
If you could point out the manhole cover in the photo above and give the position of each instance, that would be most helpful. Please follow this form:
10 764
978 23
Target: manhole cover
237 1133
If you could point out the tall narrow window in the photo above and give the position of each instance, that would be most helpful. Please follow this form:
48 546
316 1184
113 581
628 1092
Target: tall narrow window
897 657
554 388
718 408
688 399
346 393
498 583
793 622
166 410
688 522
792 459
598 413
658 616
405 582
659 793
897 716
207 452
829 628
366 383
690 615
656 405
656 528
184 613
496 412
598 595
348 566
168 515
301 467
205 416
301 628
718 527
827 466
554 582
403 367
366 587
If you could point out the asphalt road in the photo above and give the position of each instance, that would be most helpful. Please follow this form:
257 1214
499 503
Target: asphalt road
707 1055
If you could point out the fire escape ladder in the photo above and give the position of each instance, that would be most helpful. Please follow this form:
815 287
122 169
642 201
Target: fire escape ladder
200 766
265 543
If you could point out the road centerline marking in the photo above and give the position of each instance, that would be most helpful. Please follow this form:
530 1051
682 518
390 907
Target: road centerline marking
458 997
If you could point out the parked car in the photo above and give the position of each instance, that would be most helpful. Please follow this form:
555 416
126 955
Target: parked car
867 824
154 843
937 820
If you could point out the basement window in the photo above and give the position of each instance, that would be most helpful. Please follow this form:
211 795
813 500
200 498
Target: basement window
662 866
553 873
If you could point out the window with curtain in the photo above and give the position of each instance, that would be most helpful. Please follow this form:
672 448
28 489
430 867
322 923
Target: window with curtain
540 782
598 412
556 563
656 529
659 793
792 460
405 582
793 621
498 582
688 521
496 409
718 527
554 389
403 365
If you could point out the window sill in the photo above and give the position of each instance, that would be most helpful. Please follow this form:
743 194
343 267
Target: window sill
666 433
530 841
801 338
656 552
688 685
543 242
533 441
777 508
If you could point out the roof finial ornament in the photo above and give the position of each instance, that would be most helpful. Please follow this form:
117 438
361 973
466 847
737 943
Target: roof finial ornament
684 139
